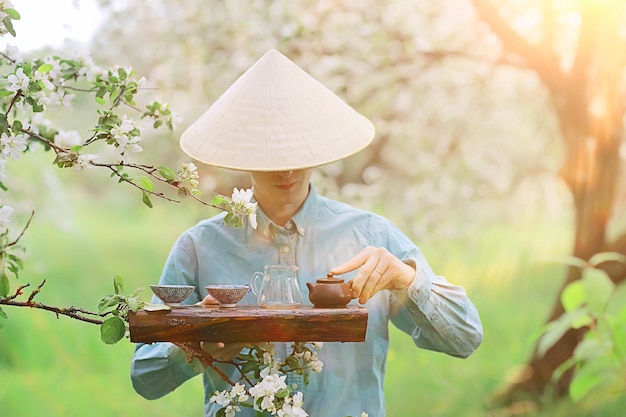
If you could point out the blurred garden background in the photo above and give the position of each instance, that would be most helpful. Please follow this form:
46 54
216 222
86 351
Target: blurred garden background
499 146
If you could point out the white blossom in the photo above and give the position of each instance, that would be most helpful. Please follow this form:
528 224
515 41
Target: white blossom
44 77
316 365
56 72
231 410
266 390
13 53
83 161
238 393
242 205
37 120
18 81
242 196
12 146
67 138
188 174
88 68
5 213
293 409
221 398
127 140
57 98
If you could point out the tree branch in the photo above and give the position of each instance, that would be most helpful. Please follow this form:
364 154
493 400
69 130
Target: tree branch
72 312
32 214
542 60
586 40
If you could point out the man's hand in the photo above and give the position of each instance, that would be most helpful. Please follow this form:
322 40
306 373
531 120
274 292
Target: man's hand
380 270
222 351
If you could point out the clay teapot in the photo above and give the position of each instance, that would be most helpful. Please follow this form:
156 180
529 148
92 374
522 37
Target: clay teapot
329 292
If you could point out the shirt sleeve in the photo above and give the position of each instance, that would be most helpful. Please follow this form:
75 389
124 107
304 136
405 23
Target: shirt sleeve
438 315
160 368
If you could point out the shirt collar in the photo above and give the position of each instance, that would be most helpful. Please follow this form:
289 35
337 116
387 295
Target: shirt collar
302 219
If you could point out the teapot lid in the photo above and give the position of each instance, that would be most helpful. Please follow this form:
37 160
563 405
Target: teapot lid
330 279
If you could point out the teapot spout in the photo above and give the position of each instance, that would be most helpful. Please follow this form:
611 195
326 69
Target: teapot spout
310 285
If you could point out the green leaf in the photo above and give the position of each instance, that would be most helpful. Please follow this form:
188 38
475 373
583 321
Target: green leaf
557 328
3 315
118 284
599 288
45 68
114 94
137 291
133 304
249 367
9 25
112 330
219 200
121 71
167 173
4 285
586 379
601 257
573 296
590 348
145 197
5 93
619 333
16 126
100 101
567 260
104 303
13 14
145 183
283 393
110 301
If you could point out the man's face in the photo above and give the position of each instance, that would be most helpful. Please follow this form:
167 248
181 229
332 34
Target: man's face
281 187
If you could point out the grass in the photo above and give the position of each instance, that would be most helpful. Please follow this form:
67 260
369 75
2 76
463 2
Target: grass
60 368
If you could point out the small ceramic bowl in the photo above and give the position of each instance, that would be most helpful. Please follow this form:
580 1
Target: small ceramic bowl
228 295
172 294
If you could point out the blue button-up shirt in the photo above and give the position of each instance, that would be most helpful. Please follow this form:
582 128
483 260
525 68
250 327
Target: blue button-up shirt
323 234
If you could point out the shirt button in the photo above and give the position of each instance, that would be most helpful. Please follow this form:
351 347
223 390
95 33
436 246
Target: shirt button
289 226
434 317
285 249
196 369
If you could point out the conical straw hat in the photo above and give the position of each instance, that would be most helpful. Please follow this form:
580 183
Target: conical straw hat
276 117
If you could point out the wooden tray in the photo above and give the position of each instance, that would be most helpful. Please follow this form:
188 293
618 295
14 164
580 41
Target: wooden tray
249 324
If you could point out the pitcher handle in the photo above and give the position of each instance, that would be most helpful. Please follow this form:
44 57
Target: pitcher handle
256 287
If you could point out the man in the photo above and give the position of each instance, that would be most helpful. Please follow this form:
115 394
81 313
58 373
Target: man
278 123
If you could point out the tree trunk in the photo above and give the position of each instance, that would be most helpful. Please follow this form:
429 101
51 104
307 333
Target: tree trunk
589 112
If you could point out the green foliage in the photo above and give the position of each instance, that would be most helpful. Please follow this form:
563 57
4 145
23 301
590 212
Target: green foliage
593 302
113 329
9 261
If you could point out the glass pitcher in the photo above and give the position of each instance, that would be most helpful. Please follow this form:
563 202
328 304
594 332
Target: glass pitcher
277 287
